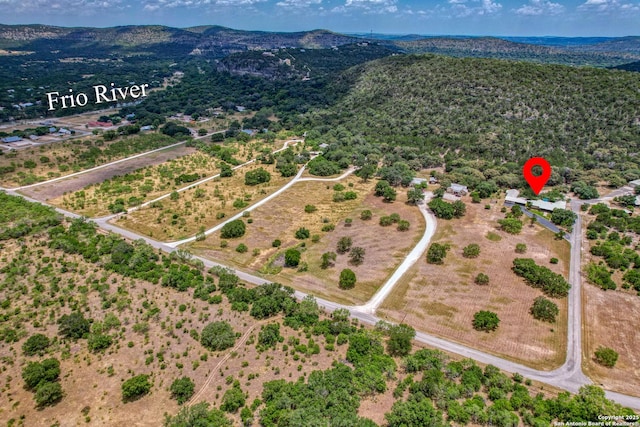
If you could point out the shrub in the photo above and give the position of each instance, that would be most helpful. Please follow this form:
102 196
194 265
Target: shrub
36 373
521 248
257 176
338 187
366 215
276 243
73 325
310 208
302 233
356 256
482 279
242 248
233 399
347 279
385 221
135 387
606 357
97 342
403 225
217 336
553 260
471 251
35 344
328 227
544 309
48 394
182 389
485 321
510 225
233 229
350 195
292 257
344 244
328 258
437 252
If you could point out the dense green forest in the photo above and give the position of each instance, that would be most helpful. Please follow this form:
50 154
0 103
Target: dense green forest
488 115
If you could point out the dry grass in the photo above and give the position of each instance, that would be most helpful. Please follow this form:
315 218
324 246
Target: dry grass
279 219
609 321
153 181
177 219
84 377
441 299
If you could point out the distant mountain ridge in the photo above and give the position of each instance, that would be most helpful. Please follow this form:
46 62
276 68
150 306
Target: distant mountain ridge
203 40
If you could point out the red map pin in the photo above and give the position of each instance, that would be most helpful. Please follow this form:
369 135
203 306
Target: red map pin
536 182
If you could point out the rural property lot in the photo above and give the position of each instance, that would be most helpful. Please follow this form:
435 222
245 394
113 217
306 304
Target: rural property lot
608 322
442 299
279 219
163 348
54 192
201 207
29 166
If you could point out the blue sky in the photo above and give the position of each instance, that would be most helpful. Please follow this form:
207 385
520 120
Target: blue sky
464 17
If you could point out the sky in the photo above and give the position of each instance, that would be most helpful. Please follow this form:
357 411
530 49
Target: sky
427 17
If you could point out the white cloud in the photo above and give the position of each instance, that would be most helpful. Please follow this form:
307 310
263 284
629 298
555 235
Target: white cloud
463 9
81 7
541 7
153 5
368 6
297 3
609 6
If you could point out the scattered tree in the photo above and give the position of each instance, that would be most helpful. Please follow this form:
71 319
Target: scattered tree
482 279
544 309
182 389
485 321
347 279
292 257
606 356
233 229
135 387
328 259
218 336
437 252
344 244
471 251
356 255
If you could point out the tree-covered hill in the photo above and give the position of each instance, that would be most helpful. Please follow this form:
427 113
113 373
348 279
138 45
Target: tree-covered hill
500 111
614 52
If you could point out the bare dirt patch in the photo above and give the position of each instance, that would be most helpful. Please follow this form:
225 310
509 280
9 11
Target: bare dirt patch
279 219
54 192
442 299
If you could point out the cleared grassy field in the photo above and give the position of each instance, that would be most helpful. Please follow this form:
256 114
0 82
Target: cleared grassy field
201 207
136 187
385 247
442 299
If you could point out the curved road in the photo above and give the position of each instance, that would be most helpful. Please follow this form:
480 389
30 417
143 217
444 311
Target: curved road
569 376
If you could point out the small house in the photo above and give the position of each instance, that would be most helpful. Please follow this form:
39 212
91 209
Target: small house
323 145
10 139
240 108
458 189
147 127
433 180
418 181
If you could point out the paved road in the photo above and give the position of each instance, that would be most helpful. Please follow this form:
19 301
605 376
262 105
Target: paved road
569 376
